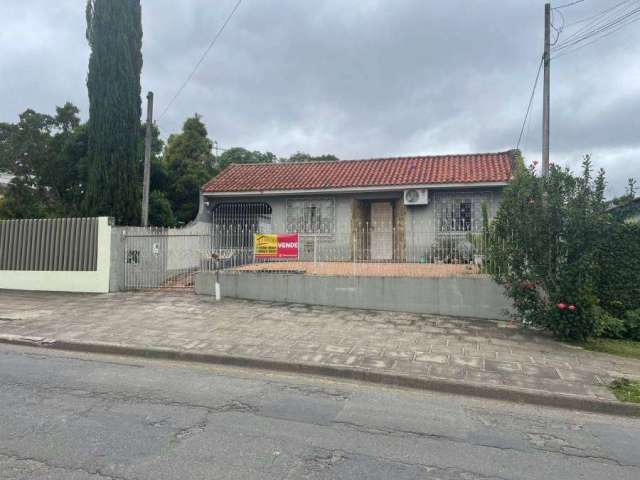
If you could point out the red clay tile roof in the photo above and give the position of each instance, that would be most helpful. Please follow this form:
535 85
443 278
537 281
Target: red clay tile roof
424 170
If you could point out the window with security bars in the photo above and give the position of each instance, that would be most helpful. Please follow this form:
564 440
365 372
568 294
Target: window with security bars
235 223
459 212
311 216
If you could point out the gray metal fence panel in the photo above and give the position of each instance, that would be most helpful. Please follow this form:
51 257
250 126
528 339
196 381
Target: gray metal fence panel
56 244
165 258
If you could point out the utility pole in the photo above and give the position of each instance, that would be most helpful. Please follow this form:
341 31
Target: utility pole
147 162
545 95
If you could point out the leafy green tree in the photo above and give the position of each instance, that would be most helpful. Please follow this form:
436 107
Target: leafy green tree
189 165
629 193
299 157
160 212
65 172
44 155
114 33
242 155
24 151
24 147
21 201
545 246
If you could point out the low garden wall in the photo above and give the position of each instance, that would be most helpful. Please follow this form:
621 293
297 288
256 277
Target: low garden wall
477 296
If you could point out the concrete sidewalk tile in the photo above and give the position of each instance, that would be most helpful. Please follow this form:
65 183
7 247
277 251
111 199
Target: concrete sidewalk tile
447 371
400 354
561 386
459 332
305 346
411 368
513 357
337 348
521 381
540 372
481 377
497 366
377 363
367 351
436 330
248 351
462 346
344 359
310 357
444 349
472 362
574 375
431 357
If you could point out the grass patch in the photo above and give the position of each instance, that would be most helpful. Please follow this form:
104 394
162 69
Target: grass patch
623 348
626 390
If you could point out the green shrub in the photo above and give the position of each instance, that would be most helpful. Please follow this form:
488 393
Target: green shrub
618 273
632 324
574 317
607 325
547 234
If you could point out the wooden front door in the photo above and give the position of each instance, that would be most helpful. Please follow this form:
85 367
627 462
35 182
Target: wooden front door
381 231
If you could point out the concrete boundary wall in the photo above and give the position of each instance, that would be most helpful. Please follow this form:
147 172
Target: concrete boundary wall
478 297
93 281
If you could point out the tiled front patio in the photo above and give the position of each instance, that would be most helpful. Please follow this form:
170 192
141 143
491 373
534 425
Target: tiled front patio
367 269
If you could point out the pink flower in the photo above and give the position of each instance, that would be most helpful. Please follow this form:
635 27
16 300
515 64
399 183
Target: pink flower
572 308
535 162
561 306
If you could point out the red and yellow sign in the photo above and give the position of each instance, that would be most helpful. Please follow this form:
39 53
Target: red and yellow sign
276 245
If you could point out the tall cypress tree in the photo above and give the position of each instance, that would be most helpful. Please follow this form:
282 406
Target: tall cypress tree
114 33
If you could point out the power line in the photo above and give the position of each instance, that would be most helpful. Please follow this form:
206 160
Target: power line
601 32
597 29
591 17
594 19
533 92
566 5
600 24
571 50
211 44
557 30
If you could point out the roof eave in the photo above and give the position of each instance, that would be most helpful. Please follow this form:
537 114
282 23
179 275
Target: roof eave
383 188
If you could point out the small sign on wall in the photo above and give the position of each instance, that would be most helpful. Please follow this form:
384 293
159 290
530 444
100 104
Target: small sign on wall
276 245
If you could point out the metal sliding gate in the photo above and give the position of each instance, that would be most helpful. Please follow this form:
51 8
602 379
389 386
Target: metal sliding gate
165 258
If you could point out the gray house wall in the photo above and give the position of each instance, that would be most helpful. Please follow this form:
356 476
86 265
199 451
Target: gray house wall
420 222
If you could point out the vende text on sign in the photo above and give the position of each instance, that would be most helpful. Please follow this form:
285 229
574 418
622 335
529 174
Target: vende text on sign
276 245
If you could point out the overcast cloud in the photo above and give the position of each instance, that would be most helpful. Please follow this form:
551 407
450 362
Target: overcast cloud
356 78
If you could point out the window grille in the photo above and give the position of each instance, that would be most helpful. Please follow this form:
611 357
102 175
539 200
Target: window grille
311 216
458 212
235 223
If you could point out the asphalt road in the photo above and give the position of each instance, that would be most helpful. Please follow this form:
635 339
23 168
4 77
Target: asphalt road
76 416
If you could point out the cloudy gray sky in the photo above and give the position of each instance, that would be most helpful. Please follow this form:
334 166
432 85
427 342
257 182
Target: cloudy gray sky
356 78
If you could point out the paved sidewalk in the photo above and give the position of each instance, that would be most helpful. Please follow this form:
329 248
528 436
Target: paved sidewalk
467 352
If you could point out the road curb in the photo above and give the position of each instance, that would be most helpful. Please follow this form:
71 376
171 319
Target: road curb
566 401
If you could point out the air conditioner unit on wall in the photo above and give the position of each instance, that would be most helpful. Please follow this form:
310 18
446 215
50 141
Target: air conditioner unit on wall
416 196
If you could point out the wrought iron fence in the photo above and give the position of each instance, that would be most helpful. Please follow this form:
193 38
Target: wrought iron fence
377 249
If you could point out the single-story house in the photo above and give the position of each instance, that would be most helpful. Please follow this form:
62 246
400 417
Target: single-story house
385 209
